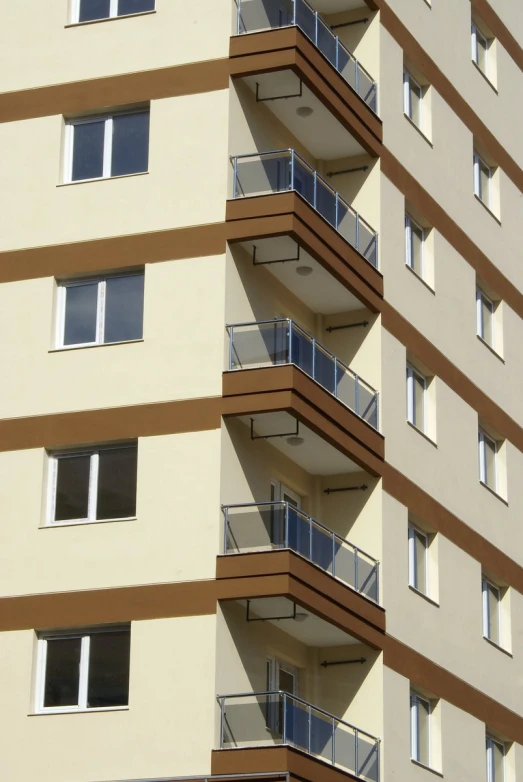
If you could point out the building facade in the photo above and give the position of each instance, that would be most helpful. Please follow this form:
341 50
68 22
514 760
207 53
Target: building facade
260 449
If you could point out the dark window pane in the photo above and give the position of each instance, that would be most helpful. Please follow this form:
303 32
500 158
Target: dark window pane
88 150
80 313
117 483
62 672
124 308
109 669
93 9
134 6
130 143
72 488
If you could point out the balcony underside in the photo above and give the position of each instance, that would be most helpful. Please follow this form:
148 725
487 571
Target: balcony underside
289 215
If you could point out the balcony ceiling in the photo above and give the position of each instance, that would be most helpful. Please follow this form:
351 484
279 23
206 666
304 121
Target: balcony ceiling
336 6
320 133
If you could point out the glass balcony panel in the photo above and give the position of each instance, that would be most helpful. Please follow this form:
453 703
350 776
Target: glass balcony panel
323 546
306 19
347 222
302 349
326 202
327 42
298 537
347 66
367 576
264 14
367 244
345 563
252 720
346 387
267 173
368 758
367 403
260 345
255 527
304 181
325 369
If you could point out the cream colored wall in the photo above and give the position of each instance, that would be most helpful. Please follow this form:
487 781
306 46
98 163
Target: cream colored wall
180 356
169 710
186 184
175 536
53 53
361 39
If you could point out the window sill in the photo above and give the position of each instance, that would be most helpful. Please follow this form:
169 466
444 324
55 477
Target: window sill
487 208
110 19
425 436
98 345
84 523
424 596
499 497
101 179
422 134
420 278
490 83
492 350
498 647
50 712
427 768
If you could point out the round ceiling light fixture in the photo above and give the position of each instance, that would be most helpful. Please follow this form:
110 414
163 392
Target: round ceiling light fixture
295 440
304 111
304 271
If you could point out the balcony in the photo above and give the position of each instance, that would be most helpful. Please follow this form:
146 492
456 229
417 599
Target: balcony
271 526
260 15
282 342
275 718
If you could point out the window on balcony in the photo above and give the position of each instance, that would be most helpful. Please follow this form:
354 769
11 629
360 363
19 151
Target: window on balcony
483 45
495 756
107 146
81 670
100 311
93 10
93 485
420 729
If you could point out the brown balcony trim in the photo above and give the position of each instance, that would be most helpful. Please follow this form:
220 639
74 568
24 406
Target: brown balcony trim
246 574
272 759
288 213
288 388
288 47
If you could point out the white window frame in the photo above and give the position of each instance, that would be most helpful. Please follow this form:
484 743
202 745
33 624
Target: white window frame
482 437
41 672
413 563
485 198
411 407
491 773
101 282
487 624
409 80
92 504
475 34
415 701
481 297
113 12
409 255
70 125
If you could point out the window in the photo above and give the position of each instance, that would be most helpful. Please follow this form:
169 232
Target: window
482 180
414 246
491 611
82 670
90 10
418 559
488 451
100 311
420 719
495 760
109 146
93 485
412 99
480 47
485 317
416 388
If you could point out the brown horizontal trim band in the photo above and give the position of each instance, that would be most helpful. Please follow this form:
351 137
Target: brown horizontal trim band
122 90
298 764
449 93
62 260
499 30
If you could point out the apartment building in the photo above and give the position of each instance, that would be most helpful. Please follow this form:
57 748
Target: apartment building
261 441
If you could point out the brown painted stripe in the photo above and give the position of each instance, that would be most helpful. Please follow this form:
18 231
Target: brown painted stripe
499 30
122 90
299 765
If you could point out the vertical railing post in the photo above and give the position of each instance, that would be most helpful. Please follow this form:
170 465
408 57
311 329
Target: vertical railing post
376 250
357 394
313 360
222 722
292 171
356 760
316 28
356 571
337 209
294 11
357 232
310 538
238 21
378 760
226 530
231 342
335 377
286 535
333 554
357 78
333 754
377 567
315 193
235 175
283 695
309 745
337 53
289 337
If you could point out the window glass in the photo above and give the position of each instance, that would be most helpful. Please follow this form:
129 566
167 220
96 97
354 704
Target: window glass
420 543
484 182
423 731
93 9
415 102
492 607
109 669
123 308
416 248
80 314
72 488
485 317
130 143
117 483
62 674
490 462
88 150
497 762
134 6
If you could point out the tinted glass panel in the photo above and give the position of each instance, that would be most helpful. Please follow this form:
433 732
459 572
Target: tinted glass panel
72 488
117 483
124 308
109 669
134 6
130 143
62 673
88 150
80 314
93 9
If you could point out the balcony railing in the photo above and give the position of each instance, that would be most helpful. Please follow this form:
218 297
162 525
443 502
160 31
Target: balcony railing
257 15
281 341
265 526
274 718
284 170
